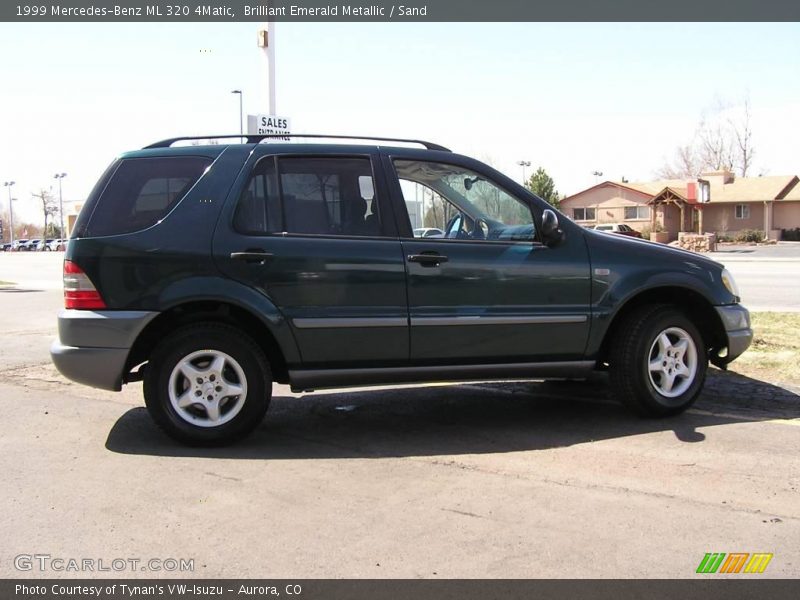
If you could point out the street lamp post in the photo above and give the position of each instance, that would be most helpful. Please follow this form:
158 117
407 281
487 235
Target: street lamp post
8 184
60 176
523 164
266 41
271 61
241 115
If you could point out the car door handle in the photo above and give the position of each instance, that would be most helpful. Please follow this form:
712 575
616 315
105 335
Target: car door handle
427 259
252 256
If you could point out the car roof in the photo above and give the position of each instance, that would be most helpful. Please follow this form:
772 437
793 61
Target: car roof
258 138
213 145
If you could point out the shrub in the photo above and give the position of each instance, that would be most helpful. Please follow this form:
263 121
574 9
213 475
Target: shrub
750 235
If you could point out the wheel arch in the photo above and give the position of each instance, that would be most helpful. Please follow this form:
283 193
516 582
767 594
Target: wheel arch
211 311
694 304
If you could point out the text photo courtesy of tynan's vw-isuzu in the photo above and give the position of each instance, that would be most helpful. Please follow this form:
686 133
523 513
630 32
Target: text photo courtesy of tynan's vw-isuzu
212 271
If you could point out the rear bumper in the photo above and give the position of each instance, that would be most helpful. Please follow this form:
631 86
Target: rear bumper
93 346
96 367
736 320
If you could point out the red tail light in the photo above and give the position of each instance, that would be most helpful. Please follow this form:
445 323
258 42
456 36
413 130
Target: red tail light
79 291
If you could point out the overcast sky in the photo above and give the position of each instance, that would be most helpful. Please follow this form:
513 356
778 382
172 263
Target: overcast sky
573 98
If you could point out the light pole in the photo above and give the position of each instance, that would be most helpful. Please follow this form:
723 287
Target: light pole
597 175
8 184
241 121
60 176
523 164
266 41
271 60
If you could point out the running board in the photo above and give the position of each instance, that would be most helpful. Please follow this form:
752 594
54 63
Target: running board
306 380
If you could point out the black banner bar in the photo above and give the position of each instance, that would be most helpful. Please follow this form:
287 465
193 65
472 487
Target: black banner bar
183 11
703 588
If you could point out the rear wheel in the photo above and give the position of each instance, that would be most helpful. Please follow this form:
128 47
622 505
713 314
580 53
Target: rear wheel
207 384
658 361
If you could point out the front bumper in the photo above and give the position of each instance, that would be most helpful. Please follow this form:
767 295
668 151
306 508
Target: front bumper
93 346
736 321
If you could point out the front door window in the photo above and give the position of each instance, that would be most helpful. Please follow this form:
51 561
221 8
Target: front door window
462 204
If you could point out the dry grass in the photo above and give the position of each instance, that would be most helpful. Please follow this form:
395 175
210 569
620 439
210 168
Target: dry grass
775 352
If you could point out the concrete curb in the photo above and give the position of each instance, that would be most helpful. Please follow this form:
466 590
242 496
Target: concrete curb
721 257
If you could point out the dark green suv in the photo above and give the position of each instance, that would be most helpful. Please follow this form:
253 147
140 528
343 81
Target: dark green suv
211 271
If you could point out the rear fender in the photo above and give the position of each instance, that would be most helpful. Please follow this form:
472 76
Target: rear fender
229 291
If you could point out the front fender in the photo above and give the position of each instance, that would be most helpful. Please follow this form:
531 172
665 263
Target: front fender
624 269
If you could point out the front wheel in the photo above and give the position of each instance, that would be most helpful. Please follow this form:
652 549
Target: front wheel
658 361
207 384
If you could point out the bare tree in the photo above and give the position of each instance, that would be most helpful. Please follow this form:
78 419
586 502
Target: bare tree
685 165
723 140
49 204
716 146
743 137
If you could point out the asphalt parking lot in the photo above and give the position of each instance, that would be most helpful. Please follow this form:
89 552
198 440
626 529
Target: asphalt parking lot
521 479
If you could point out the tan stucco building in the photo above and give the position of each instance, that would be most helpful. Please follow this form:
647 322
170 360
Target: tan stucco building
768 204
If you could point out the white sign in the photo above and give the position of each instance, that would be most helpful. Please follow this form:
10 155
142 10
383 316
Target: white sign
268 125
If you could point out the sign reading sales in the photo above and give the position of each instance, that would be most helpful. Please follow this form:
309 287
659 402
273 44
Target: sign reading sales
268 125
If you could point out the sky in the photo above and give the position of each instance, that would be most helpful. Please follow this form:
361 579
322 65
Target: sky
572 98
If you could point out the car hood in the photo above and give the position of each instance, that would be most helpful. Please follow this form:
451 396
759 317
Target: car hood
661 252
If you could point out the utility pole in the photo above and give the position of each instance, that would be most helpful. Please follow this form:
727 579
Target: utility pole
8 184
60 176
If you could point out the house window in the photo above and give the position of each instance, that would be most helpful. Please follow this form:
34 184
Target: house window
583 214
637 213
742 211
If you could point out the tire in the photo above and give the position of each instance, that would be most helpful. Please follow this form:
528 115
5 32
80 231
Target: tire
658 361
190 377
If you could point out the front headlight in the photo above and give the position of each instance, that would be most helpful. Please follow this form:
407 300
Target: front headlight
730 283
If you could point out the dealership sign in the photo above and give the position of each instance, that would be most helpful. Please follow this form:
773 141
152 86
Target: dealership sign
268 125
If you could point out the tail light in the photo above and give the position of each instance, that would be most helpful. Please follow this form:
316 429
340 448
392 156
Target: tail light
79 291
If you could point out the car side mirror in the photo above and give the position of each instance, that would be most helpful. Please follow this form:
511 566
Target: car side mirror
551 234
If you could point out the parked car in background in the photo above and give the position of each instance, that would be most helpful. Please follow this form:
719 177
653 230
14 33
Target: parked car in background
43 245
428 232
19 245
619 228
6 247
31 245
55 245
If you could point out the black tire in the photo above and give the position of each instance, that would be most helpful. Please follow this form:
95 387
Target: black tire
238 414
636 345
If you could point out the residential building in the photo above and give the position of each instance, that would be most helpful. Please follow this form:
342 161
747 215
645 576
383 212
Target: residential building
734 204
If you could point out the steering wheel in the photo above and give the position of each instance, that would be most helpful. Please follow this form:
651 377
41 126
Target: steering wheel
481 229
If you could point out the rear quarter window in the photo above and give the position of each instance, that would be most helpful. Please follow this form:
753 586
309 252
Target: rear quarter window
139 193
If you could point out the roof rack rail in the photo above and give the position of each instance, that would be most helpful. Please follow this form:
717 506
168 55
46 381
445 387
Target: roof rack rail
255 139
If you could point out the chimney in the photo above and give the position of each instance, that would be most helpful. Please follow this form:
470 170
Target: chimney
718 178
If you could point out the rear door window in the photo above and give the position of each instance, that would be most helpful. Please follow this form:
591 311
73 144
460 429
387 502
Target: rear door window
322 196
141 192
